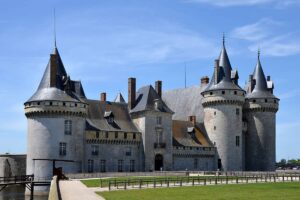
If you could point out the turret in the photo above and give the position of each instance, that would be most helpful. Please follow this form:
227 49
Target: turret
222 102
260 114
56 121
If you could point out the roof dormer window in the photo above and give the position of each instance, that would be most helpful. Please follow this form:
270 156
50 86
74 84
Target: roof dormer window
109 116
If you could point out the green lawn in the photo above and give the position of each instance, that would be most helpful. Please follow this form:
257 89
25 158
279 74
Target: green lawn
264 191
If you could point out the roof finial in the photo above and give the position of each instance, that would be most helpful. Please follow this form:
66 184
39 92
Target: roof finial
54 27
223 39
258 53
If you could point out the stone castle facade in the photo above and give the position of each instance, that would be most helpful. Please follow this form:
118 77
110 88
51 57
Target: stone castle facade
216 125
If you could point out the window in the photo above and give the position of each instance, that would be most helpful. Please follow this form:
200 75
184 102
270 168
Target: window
38 103
235 92
106 134
90 166
120 165
75 104
223 92
237 111
97 134
102 166
237 141
275 101
116 135
62 148
134 136
125 135
95 150
215 113
215 128
211 93
51 103
254 101
68 127
266 100
158 120
64 104
159 136
128 151
132 168
195 163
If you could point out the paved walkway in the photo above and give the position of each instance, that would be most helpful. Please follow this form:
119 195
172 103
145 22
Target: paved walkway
75 190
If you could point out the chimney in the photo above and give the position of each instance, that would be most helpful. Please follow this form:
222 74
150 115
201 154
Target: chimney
204 80
158 85
268 78
53 70
251 81
192 119
217 71
103 97
131 92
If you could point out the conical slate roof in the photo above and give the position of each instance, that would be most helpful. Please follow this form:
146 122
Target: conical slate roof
54 82
224 77
260 88
119 98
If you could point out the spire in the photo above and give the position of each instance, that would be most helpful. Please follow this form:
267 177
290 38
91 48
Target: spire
224 63
259 76
119 98
54 28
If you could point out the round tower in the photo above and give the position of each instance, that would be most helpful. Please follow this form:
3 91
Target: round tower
222 101
56 122
260 114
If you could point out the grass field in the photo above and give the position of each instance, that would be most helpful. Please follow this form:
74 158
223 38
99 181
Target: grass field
264 191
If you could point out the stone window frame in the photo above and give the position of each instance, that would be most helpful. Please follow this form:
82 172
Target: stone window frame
68 124
102 165
62 148
95 150
90 166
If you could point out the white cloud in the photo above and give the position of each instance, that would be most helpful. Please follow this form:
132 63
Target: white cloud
278 46
131 45
256 31
228 3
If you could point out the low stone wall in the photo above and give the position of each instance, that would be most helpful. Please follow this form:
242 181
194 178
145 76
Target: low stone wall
12 164
54 193
119 174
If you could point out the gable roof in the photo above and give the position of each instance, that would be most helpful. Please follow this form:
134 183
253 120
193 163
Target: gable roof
145 101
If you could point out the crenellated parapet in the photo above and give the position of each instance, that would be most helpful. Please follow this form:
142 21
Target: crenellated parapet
55 108
261 105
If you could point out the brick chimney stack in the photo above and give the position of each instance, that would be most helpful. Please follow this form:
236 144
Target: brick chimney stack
158 86
103 97
192 119
204 80
131 92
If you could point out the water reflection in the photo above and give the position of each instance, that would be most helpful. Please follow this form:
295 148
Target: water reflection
17 193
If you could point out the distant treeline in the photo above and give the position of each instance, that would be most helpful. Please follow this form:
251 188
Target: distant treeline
283 163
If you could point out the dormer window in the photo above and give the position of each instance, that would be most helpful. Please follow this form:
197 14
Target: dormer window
109 116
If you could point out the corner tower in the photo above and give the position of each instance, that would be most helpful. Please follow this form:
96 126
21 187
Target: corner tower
260 114
56 121
222 101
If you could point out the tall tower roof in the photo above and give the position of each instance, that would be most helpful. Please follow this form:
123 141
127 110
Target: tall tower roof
223 77
119 98
55 83
258 86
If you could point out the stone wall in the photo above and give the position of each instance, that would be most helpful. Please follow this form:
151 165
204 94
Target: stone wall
12 165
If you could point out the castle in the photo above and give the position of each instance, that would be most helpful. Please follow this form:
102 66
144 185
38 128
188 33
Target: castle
215 125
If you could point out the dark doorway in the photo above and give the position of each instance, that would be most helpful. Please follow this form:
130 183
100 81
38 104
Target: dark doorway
219 164
159 162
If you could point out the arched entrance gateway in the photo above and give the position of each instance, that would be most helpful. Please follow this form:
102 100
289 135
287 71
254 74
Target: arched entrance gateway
159 162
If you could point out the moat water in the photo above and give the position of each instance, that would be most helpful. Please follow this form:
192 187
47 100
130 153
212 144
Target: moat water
17 193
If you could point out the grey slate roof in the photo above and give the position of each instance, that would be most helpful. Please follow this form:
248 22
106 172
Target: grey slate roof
225 76
185 102
119 98
65 89
260 88
145 100
98 110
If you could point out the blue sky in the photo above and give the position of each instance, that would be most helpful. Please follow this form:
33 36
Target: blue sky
102 43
